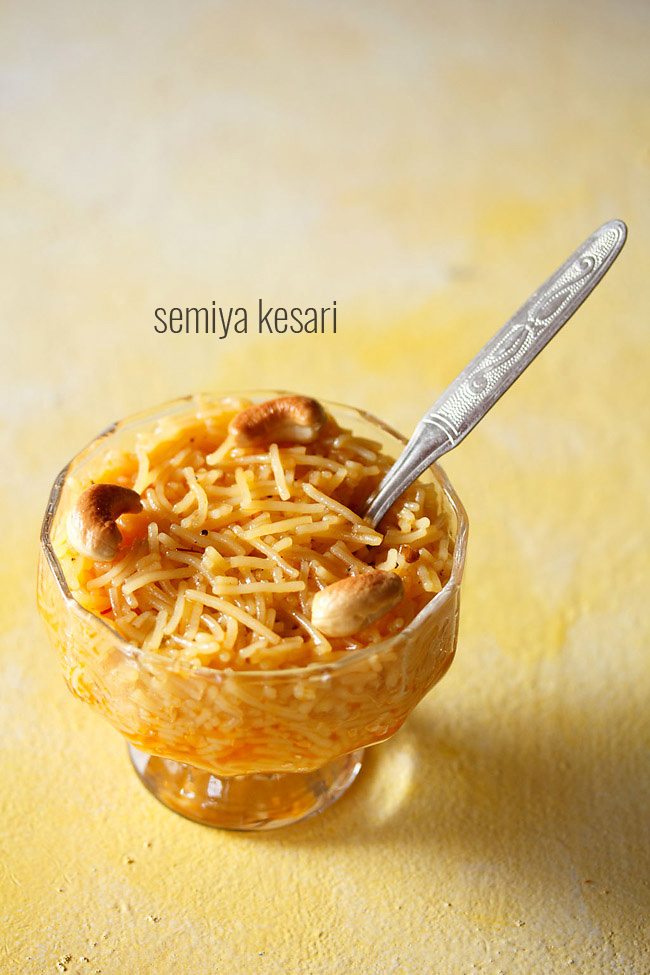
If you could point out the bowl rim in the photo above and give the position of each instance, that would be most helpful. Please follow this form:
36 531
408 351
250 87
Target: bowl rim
136 653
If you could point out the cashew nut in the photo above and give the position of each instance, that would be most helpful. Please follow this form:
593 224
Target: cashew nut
92 527
353 603
292 418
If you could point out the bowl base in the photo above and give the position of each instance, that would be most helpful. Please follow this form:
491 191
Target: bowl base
244 802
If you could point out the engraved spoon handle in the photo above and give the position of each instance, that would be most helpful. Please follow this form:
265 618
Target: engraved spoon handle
500 362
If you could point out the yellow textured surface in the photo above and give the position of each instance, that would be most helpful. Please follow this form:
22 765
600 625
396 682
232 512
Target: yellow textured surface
426 165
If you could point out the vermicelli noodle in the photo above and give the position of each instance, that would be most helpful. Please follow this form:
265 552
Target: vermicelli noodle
220 567
220 664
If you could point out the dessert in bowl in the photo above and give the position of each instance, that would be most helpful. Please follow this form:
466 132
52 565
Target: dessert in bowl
213 590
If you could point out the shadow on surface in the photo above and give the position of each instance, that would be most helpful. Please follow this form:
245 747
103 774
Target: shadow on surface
558 798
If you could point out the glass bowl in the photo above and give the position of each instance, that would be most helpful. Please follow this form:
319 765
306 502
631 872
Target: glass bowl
245 749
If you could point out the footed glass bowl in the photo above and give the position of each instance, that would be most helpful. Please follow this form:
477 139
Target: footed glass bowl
253 749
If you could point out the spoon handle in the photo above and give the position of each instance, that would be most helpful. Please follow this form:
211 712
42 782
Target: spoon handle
500 362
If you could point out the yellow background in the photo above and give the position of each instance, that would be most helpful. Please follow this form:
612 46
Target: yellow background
426 165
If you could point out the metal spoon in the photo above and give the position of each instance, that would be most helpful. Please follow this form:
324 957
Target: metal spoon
500 362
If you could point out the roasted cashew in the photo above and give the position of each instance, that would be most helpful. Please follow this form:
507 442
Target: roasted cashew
353 603
92 528
287 418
